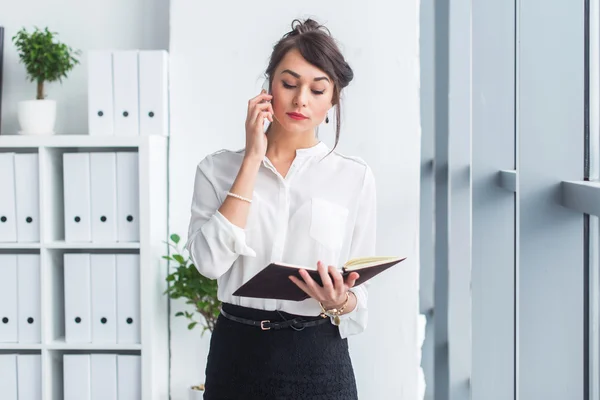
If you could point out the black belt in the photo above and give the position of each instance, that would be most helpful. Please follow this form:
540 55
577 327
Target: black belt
296 323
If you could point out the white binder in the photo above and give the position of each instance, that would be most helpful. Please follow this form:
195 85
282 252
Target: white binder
128 212
125 70
27 197
29 376
77 377
8 211
104 196
154 93
29 302
104 376
104 295
100 93
78 309
129 377
128 298
8 299
76 185
8 376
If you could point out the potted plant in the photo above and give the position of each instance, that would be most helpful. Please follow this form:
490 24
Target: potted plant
46 60
199 291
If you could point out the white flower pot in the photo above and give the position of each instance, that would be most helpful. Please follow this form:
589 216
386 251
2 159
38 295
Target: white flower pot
195 394
36 117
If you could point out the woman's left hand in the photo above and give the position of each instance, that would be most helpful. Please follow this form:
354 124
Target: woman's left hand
333 292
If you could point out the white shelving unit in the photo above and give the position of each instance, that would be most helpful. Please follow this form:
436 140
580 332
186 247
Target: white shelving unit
153 177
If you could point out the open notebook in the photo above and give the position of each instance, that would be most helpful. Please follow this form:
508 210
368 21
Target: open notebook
273 282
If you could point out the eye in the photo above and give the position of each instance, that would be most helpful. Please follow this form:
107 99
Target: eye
288 86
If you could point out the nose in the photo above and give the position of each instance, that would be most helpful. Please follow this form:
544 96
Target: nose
301 98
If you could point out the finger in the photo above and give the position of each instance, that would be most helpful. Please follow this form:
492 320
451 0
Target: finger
260 118
352 279
263 96
325 278
338 280
310 282
301 285
259 108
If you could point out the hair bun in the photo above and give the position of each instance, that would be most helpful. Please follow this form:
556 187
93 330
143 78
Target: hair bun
309 25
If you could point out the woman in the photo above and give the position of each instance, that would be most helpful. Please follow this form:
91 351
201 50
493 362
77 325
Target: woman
286 197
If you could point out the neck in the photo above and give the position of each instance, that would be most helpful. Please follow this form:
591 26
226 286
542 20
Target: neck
282 145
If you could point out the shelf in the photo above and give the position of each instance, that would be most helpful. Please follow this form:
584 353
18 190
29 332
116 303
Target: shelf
20 346
61 244
75 141
19 245
60 344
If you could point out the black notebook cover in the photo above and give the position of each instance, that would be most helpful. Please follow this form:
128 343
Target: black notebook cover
273 282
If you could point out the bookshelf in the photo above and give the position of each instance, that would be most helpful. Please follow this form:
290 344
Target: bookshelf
153 178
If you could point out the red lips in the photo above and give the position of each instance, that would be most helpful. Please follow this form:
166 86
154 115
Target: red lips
297 116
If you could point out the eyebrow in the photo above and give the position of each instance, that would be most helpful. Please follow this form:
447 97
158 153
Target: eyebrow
297 75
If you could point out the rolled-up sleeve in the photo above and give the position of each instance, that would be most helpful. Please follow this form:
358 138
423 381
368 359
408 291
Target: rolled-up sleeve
362 245
214 243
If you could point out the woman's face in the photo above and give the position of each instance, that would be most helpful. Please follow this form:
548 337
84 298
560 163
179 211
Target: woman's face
302 93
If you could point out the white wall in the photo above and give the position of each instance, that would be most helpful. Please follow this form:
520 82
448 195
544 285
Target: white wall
219 51
85 25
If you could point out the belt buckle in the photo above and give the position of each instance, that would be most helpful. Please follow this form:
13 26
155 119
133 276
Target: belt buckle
262 325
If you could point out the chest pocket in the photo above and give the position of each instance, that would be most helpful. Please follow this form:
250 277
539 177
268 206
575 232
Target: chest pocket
328 223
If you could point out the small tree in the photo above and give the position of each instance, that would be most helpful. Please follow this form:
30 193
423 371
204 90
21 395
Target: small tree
44 59
186 282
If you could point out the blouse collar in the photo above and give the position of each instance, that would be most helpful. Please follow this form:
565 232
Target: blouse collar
317 149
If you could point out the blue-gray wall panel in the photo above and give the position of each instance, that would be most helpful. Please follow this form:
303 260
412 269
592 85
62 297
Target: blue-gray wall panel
550 264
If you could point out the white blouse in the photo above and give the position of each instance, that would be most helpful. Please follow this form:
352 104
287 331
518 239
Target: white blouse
324 209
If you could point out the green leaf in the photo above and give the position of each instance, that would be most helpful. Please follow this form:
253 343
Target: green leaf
45 59
179 259
179 314
175 238
192 325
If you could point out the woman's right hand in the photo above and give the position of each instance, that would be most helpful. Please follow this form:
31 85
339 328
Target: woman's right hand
259 108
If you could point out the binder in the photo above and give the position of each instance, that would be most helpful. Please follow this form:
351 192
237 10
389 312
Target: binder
128 221
77 377
154 93
128 298
129 377
126 98
103 177
8 376
100 93
76 185
27 197
8 211
78 309
29 302
29 376
104 295
8 299
104 376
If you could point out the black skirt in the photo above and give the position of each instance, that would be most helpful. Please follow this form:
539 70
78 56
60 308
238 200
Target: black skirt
246 363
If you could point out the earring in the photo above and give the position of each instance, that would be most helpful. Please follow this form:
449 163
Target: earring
327 119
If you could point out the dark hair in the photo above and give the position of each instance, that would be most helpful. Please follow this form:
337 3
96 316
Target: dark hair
318 47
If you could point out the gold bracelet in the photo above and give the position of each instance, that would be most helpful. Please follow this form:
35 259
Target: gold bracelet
237 196
335 312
